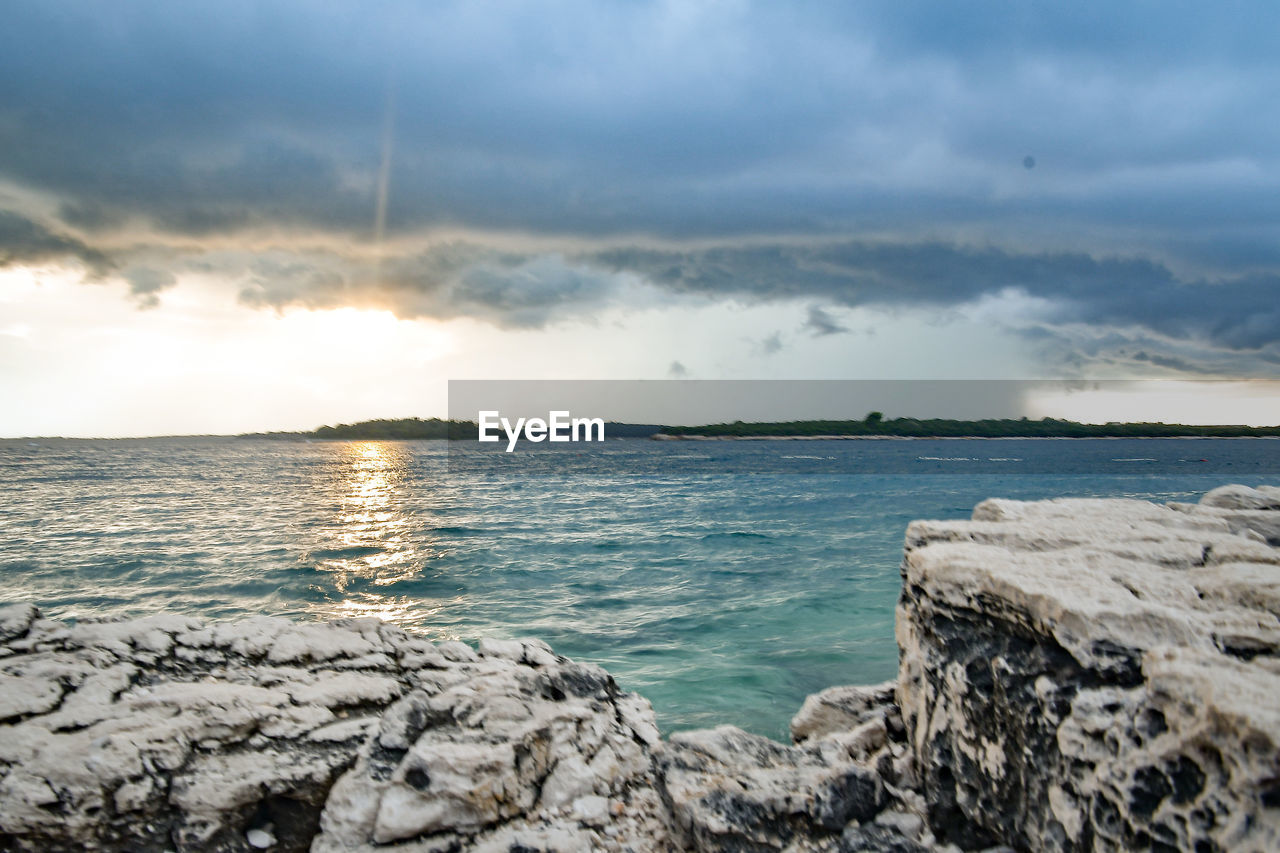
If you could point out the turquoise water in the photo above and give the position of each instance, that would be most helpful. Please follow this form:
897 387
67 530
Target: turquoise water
722 593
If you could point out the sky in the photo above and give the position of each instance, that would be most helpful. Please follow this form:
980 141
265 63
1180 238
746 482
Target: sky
241 216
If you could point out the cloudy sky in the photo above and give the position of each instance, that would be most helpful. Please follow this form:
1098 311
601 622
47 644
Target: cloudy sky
237 216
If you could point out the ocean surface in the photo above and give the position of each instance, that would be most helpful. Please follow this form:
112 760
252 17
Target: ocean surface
723 580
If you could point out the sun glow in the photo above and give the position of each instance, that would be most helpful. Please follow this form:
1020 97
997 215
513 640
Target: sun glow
372 532
352 326
401 610
83 360
369 545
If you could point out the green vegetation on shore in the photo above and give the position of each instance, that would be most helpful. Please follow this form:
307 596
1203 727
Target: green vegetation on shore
417 429
385 429
875 424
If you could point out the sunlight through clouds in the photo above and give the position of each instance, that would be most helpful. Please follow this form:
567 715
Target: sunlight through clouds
343 206
90 364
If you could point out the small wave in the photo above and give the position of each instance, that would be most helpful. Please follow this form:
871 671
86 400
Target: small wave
1003 459
689 456
808 457
946 459
1136 459
343 553
736 534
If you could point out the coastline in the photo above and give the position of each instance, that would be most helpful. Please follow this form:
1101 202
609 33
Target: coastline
668 437
664 437
1073 674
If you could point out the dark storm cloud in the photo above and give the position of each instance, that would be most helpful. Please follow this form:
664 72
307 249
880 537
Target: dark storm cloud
23 241
779 135
1118 297
508 289
573 119
1241 313
1083 350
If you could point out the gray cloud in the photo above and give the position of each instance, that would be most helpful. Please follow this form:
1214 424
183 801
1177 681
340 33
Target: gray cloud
820 323
770 345
1171 362
866 155
24 241
531 289
1241 312
146 283
221 118
508 289
1086 349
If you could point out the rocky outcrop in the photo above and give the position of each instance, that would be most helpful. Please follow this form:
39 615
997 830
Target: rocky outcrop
168 733
1075 675
1097 674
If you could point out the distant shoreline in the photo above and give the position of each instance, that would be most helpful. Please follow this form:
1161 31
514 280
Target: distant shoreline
661 437
872 428
668 437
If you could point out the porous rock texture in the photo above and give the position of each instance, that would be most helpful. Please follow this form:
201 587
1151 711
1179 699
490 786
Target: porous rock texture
169 733
1074 675
1097 674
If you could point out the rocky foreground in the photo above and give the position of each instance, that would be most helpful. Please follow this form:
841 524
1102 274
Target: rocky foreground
1075 675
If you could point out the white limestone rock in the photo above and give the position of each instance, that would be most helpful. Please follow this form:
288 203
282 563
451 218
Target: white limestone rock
839 709
527 650
16 620
730 790
1242 497
265 734
525 747
144 733
1096 674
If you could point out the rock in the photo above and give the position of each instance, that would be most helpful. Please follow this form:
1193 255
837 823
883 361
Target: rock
730 790
259 839
906 823
263 734
591 810
839 709
878 838
528 650
504 750
1248 512
16 619
1082 674
1242 497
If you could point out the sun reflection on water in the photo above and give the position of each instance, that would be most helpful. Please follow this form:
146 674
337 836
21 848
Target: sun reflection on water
371 544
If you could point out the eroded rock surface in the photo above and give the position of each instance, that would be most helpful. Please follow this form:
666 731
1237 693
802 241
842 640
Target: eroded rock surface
1097 674
168 733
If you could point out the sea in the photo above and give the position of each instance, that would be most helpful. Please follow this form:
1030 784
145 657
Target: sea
723 580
